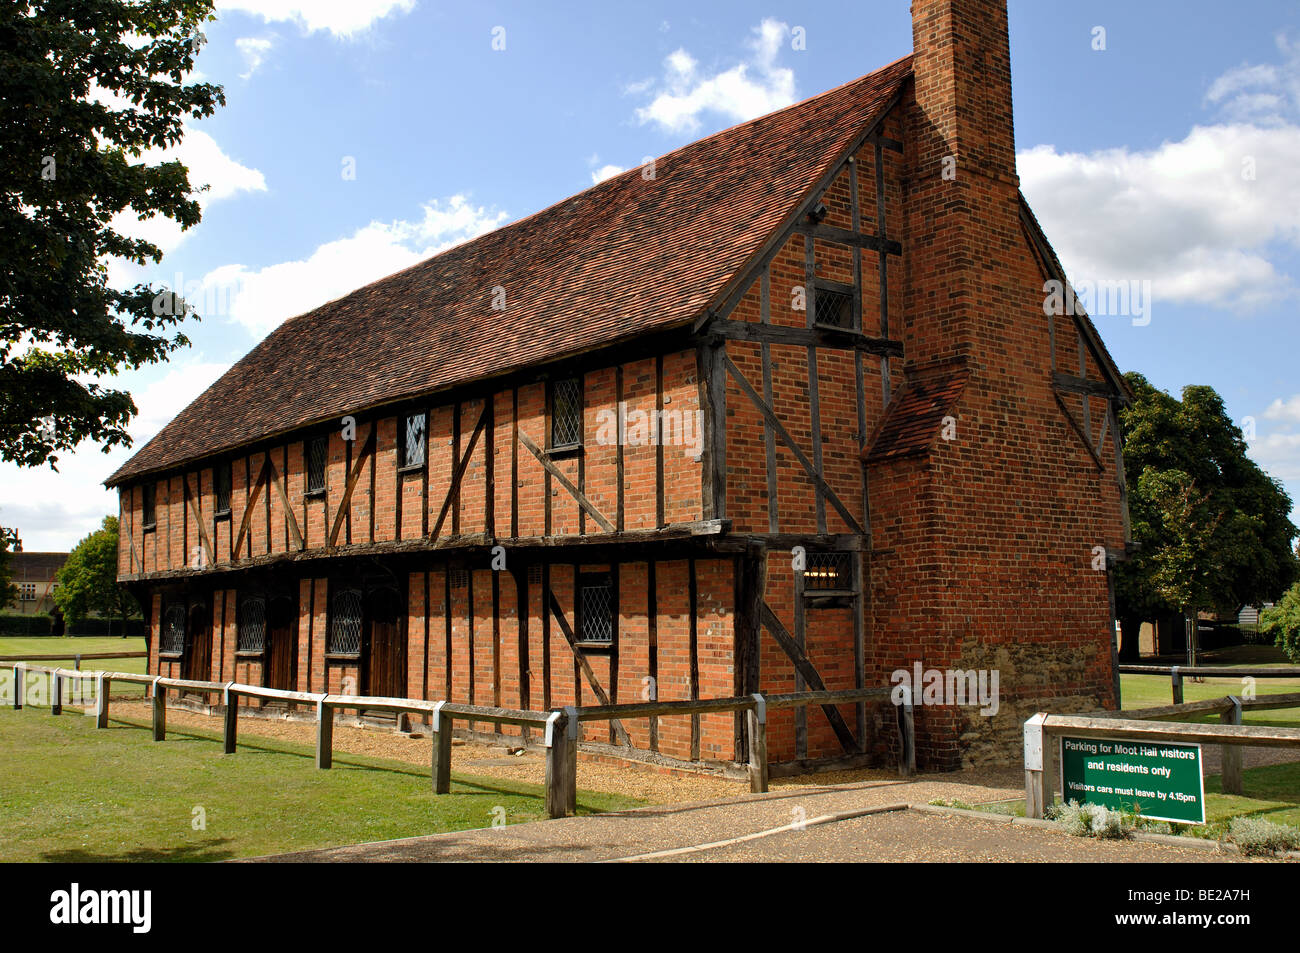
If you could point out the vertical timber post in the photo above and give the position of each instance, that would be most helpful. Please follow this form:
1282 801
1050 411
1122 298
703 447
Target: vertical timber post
56 692
20 685
758 745
907 735
324 733
1038 767
103 685
232 718
561 741
1176 684
441 730
159 711
1230 775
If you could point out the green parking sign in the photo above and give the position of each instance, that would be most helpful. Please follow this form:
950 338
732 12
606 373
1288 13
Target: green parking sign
1150 778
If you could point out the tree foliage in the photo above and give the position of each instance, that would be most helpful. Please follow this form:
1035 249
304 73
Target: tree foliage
87 87
1282 622
1213 529
88 580
8 591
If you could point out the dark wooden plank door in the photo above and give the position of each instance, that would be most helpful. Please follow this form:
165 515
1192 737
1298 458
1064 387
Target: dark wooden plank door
385 646
282 652
198 652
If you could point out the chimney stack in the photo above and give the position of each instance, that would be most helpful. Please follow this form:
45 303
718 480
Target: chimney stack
963 191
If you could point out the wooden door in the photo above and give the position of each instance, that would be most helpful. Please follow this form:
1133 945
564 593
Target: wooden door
282 648
198 649
385 654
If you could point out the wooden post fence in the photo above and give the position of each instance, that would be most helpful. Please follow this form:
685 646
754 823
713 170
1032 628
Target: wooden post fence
757 717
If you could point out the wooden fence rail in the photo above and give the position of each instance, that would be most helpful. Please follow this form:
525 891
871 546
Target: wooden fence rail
559 727
78 656
1177 673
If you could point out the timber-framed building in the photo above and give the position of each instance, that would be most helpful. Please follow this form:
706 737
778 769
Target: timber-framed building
781 410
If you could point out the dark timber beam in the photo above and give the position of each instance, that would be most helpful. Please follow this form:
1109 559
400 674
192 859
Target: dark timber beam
779 429
588 507
345 505
581 659
846 236
806 337
453 491
810 675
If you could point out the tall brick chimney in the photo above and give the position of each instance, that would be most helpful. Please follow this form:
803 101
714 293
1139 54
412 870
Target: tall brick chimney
963 187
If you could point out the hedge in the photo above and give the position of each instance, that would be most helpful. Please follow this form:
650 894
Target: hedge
42 625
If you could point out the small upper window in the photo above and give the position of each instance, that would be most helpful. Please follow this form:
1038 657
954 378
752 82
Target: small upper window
150 515
597 594
566 413
345 623
317 449
413 440
221 487
834 308
833 571
29 591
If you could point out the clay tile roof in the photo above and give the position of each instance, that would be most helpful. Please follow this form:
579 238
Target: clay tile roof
916 412
624 257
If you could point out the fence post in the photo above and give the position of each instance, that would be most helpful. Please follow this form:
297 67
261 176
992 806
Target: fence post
1230 773
232 718
20 684
77 663
441 730
1038 767
102 683
562 763
1176 679
159 711
757 717
906 735
56 692
324 734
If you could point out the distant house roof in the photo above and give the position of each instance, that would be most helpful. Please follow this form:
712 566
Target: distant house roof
35 567
627 256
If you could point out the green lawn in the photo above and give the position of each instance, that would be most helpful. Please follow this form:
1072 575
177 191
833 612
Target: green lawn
71 793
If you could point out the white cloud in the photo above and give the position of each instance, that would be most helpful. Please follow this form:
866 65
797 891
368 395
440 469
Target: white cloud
208 166
255 50
343 18
1284 409
261 299
1205 217
605 172
748 89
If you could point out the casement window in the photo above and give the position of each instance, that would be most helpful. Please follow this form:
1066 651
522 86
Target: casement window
459 578
172 641
834 307
317 449
345 624
566 413
251 638
596 593
28 593
413 439
829 572
150 515
221 487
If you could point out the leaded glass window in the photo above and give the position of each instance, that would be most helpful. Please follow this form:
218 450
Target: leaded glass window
316 452
566 413
221 486
149 505
345 623
829 571
597 594
173 630
834 308
413 441
252 625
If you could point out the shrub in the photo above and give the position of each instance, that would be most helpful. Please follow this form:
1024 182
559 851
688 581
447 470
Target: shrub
1090 820
1256 837
1281 623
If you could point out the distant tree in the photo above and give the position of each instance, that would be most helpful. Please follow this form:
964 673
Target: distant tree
1282 622
87 87
1213 529
88 580
8 591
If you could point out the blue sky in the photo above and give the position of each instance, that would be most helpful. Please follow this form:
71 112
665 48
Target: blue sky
363 135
